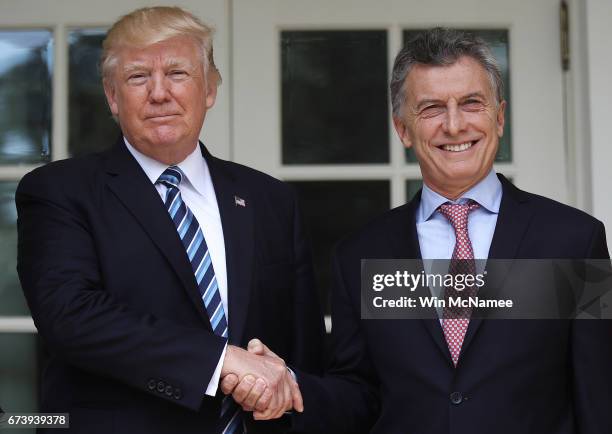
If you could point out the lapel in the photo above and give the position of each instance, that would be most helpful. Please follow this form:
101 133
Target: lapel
132 187
512 223
404 242
238 234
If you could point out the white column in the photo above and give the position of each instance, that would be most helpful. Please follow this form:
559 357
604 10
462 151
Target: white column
599 36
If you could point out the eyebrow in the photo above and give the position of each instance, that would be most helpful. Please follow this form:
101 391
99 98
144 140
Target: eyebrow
439 101
472 95
169 63
134 66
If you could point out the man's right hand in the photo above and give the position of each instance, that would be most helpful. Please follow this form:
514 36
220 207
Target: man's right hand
259 381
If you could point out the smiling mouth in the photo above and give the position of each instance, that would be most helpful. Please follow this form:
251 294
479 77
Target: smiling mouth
460 147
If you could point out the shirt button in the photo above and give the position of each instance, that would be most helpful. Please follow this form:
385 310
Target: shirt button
456 398
169 390
161 386
152 384
177 393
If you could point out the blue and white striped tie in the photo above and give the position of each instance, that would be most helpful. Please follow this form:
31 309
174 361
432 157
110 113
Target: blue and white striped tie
193 240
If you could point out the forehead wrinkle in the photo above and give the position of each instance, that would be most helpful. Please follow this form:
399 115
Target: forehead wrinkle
144 65
425 79
473 94
429 100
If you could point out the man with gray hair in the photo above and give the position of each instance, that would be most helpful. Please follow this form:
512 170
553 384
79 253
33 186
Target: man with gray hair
456 374
149 267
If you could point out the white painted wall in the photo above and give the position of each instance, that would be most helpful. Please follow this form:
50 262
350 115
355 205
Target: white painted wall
599 60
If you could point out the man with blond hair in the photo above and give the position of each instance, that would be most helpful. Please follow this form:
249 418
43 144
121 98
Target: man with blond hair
148 268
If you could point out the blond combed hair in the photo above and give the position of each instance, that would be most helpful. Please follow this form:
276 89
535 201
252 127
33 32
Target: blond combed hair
150 25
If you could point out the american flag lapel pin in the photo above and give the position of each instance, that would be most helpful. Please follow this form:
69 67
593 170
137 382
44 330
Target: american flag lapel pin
239 201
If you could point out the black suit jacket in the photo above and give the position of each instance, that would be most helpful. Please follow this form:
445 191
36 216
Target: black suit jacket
115 301
513 376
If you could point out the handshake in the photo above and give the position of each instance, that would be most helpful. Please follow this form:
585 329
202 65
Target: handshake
259 381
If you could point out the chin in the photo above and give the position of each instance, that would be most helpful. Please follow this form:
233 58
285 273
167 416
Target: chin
164 136
463 176
166 142
461 171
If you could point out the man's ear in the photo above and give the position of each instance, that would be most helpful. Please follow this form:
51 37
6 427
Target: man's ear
212 83
402 131
109 91
501 120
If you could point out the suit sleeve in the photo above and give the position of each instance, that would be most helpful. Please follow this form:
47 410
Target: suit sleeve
308 327
82 323
345 399
592 359
306 348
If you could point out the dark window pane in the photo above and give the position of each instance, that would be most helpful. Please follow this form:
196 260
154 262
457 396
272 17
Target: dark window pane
91 125
19 374
498 41
12 300
412 187
332 210
25 96
334 97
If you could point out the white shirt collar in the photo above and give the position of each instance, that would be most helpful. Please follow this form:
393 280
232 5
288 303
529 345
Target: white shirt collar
194 167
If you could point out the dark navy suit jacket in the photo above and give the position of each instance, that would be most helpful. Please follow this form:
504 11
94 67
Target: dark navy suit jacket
111 290
513 376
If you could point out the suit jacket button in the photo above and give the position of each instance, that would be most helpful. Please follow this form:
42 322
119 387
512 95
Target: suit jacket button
177 393
161 386
152 384
456 398
169 390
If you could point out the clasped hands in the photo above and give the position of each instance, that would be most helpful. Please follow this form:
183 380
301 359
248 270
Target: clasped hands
259 381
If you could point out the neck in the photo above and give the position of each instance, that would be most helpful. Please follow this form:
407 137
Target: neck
173 157
453 191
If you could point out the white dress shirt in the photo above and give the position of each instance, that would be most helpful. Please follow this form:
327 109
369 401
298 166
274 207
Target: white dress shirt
198 194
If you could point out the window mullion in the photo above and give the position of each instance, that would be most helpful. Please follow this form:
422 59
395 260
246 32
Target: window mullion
59 146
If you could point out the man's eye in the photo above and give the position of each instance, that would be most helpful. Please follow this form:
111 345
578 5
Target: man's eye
136 78
178 74
472 104
432 110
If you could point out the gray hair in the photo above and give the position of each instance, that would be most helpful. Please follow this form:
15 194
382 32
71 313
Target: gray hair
441 47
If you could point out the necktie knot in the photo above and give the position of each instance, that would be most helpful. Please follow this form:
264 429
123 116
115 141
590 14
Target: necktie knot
171 177
457 214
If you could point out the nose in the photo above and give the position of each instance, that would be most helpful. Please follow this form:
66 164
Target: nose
455 121
159 90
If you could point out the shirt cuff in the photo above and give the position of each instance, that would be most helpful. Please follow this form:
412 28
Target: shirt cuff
213 385
292 374
294 379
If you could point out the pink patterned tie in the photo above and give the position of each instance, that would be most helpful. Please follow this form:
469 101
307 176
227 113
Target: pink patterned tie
456 320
